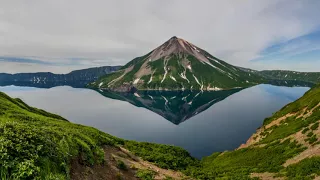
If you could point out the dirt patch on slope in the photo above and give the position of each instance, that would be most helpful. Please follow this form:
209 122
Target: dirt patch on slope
256 137
279 120
266 176
311 111
107 170
144 70
120 77
313 150
110 169
138 163
310 152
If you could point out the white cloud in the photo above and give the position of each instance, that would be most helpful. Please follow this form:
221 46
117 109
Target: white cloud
103 32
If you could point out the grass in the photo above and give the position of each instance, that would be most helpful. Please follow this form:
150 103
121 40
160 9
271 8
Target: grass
145 174
312 139
240 163
305 130
289 126
121 165
164 156
305 169
35 144
315 126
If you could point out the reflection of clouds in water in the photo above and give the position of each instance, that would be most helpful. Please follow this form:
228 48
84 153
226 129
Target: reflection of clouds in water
223 126
16 88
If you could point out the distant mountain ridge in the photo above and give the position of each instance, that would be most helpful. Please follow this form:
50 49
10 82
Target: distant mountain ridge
286 75
83 75
177 65
313 77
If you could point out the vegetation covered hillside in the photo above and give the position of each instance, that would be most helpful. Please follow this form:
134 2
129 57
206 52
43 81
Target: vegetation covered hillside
35 144
287 146
87 75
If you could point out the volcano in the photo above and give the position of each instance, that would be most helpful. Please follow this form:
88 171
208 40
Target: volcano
177 65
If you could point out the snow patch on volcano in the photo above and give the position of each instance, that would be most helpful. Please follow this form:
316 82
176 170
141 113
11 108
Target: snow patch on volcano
136 81
173 78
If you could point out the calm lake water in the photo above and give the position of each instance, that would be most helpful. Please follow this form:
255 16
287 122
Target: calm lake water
201 123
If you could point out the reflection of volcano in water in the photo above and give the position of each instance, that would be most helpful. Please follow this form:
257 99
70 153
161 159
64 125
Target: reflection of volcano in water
175 106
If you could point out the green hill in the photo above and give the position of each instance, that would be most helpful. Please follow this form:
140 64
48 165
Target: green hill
35 144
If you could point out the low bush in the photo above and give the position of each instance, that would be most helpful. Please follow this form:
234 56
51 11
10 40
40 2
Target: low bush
121 165
305 169
145 174
315 126
164 156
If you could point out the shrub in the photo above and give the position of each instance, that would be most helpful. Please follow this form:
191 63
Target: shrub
240 163
145 174
315 126
312 139
121 165
304 169
164 156
310 134
305 130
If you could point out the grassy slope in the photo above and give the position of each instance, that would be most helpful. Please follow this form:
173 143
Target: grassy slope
275 146
35 144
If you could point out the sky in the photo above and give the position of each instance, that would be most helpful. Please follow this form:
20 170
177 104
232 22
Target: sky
60 36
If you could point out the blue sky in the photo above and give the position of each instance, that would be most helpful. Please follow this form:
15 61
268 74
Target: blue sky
301 50
60 36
